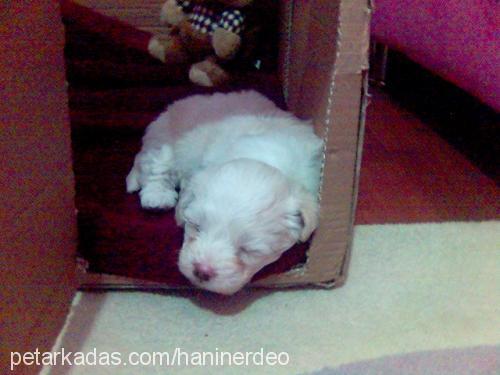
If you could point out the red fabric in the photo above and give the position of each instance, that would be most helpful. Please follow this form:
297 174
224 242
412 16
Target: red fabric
111 28
458 40
116 235
116 89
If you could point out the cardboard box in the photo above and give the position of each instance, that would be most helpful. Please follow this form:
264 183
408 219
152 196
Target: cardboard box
323 67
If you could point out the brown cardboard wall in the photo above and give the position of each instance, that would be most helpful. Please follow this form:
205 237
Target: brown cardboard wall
324 60
37 215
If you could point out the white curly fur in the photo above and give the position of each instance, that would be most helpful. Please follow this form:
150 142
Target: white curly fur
248 174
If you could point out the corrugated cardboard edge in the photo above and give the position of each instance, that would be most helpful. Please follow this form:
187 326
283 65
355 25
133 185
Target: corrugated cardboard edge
352 58
351 64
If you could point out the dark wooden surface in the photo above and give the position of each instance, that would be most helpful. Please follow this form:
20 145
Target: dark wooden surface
411 174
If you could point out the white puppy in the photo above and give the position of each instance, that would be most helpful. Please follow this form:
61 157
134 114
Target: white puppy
248 175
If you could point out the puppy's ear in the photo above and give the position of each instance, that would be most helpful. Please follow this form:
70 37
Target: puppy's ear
305 216
185 199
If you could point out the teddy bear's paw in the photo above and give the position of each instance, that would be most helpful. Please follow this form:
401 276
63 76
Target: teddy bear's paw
167 49
226 43
208 73
200 77
157 49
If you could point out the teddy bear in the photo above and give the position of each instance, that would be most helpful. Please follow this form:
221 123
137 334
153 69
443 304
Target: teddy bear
204 33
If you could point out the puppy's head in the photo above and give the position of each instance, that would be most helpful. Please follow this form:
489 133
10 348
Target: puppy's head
239 217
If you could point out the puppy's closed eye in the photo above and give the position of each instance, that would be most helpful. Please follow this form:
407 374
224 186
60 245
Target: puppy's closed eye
245 254
244 250
191 232
192 225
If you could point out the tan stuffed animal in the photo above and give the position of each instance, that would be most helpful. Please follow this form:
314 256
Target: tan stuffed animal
204 33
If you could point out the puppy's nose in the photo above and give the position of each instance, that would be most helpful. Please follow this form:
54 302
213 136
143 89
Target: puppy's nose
203 272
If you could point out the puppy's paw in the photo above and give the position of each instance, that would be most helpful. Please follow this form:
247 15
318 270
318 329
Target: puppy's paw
132 181
157 198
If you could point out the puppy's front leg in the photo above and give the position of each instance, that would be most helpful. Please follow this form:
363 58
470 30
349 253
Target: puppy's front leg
154 175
